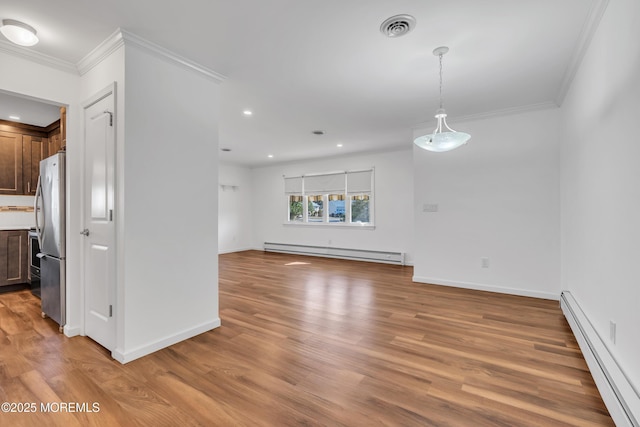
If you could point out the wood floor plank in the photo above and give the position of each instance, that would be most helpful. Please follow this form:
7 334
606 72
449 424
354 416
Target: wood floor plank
77 386
311 341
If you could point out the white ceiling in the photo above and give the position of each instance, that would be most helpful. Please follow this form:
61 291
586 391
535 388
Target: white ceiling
28 111
302 65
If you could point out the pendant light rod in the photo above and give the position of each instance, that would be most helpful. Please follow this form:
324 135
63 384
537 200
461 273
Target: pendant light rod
439 52
443 137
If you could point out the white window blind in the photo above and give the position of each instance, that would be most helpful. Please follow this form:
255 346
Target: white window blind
293 185
359 182
324 184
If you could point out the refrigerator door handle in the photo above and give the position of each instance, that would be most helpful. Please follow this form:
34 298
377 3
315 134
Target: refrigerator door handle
36 209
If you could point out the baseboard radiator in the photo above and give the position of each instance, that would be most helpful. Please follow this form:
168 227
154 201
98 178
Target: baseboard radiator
331 252
618 393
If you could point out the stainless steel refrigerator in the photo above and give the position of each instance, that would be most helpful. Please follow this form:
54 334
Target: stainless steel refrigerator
50 227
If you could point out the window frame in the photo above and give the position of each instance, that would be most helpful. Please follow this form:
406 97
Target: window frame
347 197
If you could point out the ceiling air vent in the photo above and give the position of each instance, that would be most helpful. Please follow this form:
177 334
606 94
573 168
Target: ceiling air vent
398 25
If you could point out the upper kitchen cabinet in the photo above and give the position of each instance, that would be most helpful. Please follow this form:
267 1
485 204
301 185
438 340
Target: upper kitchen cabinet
55 142
63 126
57 133
34 149
21 149
11 181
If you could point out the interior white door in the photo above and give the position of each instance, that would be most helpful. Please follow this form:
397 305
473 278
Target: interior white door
99 253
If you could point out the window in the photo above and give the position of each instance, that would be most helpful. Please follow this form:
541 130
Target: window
360 208
293 190
295 208
336 198
315 208
336 208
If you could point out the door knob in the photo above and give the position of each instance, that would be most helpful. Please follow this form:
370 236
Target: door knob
85 232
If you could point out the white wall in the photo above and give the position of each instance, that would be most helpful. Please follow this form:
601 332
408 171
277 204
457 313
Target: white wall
497 197
393 204
235 226
25 77
166 209
169 162
601 184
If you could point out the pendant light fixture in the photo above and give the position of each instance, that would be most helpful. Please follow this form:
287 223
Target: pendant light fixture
18 32
443 137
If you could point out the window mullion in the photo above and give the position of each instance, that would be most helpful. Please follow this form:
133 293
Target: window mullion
305 208
325 210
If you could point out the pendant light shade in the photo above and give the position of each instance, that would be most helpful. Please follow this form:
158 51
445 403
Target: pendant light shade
443 137
18 32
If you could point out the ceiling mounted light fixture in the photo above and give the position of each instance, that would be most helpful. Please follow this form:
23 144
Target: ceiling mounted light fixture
18 32
443 137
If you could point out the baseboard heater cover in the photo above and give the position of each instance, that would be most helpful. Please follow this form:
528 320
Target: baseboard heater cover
616 390
331 252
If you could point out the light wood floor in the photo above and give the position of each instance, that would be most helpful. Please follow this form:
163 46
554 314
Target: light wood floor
310 341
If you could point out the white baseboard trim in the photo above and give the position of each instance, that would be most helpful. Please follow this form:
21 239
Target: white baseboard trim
488 288
72 331
136 353
385 257
616 390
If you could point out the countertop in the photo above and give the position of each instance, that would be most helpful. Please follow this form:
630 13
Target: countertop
14 227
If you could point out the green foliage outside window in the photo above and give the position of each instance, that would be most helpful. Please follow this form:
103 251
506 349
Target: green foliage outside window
295 210
360 210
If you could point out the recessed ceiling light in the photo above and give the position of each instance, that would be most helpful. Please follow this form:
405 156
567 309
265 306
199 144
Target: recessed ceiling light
339 145
14 117
18 32
247 112
270 156
318 132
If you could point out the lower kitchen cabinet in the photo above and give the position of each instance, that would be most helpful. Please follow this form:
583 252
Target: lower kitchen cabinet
14 258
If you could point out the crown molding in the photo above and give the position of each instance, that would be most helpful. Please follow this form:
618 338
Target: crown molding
507 111
122 37
584 40
117 39
160 51
40 58
100 52
491 114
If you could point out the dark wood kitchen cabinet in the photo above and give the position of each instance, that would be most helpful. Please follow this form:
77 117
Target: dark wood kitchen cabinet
63 126
55 143
11 163
34 149
21 149
14 257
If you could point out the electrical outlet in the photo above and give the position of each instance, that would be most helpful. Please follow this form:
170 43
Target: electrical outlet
612 331
484 262
430 207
